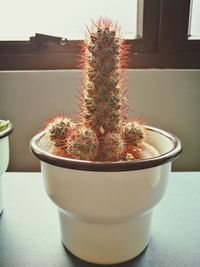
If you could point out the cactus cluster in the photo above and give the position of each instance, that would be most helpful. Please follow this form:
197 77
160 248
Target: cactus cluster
104 132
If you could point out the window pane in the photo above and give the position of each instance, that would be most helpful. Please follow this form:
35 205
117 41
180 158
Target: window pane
195 19
63 18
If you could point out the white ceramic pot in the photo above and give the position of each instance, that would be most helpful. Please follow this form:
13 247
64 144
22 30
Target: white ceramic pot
105 208
4 156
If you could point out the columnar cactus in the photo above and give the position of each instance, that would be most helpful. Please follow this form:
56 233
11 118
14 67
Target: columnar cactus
112 147
104 132
103 63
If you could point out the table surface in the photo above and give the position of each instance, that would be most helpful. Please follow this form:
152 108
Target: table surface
30 237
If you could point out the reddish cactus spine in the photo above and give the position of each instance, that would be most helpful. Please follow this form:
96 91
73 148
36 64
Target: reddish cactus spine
59 129
104 134
82 143
103 61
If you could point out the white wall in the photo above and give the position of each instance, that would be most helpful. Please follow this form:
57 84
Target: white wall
165 98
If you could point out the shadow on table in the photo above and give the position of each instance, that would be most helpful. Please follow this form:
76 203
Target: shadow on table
76 262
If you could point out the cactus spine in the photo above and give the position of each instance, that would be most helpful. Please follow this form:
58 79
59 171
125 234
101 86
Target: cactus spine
59 128
103 58
103 61
104 133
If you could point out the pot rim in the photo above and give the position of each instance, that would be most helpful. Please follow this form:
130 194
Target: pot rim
114 166
7 131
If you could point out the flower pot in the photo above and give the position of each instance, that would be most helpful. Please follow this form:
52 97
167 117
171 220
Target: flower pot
105 208
4 156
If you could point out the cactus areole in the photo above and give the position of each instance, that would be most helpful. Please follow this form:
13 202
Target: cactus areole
104 132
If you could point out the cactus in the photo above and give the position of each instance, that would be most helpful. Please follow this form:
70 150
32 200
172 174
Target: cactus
82 143
4 125
112 147
133 133
104 132
59 128
103 62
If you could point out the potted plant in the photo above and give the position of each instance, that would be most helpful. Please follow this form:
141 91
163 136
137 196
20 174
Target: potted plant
106 171
6 129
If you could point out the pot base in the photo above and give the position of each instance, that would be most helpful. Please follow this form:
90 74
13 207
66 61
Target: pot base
105 241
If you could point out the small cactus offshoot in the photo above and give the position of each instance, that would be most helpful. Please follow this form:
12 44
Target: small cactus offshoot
104 131
59 129
82 144
133 133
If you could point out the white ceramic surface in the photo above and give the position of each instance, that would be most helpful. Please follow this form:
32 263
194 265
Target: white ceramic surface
105 217
4 159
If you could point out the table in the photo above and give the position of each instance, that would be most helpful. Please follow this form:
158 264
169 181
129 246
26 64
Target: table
30 237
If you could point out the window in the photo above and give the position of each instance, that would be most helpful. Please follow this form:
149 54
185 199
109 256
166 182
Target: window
59 18
194 25
163 33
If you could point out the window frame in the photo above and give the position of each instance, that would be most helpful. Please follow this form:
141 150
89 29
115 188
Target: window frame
164 44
